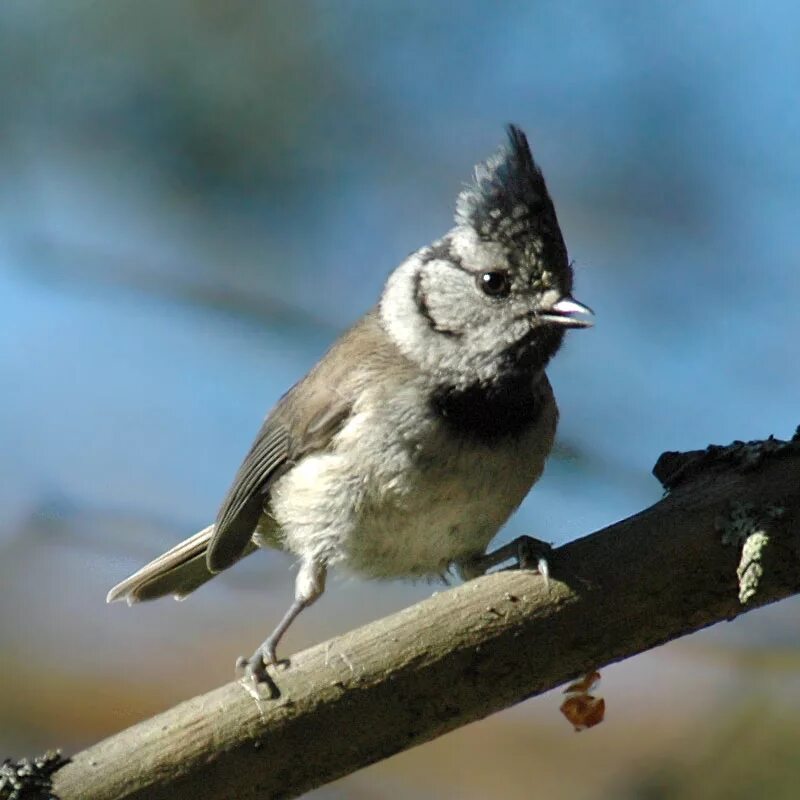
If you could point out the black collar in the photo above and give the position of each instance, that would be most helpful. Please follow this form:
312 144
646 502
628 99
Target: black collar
490 412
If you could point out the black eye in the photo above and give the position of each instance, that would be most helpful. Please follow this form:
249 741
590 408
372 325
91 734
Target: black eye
495 284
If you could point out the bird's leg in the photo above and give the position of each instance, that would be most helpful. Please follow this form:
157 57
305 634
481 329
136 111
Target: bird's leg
309 585
528 552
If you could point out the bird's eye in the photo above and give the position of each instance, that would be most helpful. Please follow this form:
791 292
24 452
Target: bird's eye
495 284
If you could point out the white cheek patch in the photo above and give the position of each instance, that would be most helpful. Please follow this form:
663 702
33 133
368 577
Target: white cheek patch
399 313
496 336
457 335
453 303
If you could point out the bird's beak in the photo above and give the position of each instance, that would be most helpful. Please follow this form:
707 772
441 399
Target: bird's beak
569 313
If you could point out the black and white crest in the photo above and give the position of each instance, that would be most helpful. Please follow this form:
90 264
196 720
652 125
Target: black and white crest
509 203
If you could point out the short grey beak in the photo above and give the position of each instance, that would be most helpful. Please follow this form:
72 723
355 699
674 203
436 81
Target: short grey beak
569 313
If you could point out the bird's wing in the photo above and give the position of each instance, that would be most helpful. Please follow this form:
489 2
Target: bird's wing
305 420
279 444
244 503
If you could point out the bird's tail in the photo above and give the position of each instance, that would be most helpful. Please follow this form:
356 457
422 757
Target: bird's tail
178 572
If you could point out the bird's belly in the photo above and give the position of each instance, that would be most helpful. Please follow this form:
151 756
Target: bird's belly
421 532
411 510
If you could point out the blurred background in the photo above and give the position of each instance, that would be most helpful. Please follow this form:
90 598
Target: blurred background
196 197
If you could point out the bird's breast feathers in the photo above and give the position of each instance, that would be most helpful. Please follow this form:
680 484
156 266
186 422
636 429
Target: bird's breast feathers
397 494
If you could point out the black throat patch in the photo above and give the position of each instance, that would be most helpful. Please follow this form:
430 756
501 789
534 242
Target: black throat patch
489 413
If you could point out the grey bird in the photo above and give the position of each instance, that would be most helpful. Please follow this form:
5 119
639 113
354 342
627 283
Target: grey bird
411 442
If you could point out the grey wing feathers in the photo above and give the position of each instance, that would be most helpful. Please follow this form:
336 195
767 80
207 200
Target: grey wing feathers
288 434
244 503
304 421
178 572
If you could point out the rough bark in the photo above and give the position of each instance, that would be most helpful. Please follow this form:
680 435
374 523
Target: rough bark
478 648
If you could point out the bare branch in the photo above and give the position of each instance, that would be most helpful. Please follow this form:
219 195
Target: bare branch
481 647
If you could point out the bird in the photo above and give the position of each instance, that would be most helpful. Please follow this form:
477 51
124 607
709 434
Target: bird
411 442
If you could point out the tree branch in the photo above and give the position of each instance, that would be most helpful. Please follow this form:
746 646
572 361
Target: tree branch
481 647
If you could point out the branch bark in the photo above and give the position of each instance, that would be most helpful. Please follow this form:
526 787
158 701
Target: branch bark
481 647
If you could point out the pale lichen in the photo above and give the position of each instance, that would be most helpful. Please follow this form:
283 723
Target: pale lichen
30 778
745 526
750 568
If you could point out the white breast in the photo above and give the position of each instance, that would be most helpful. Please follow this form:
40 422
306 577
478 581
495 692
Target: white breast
399 495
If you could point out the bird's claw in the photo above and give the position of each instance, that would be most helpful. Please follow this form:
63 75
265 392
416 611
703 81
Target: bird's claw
255 667
531 555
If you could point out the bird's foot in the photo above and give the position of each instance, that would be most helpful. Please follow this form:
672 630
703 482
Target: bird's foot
255 667
529 553
254 675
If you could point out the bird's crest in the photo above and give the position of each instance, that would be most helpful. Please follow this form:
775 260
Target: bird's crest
508 202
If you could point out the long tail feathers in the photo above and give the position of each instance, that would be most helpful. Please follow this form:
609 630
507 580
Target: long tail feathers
178 572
